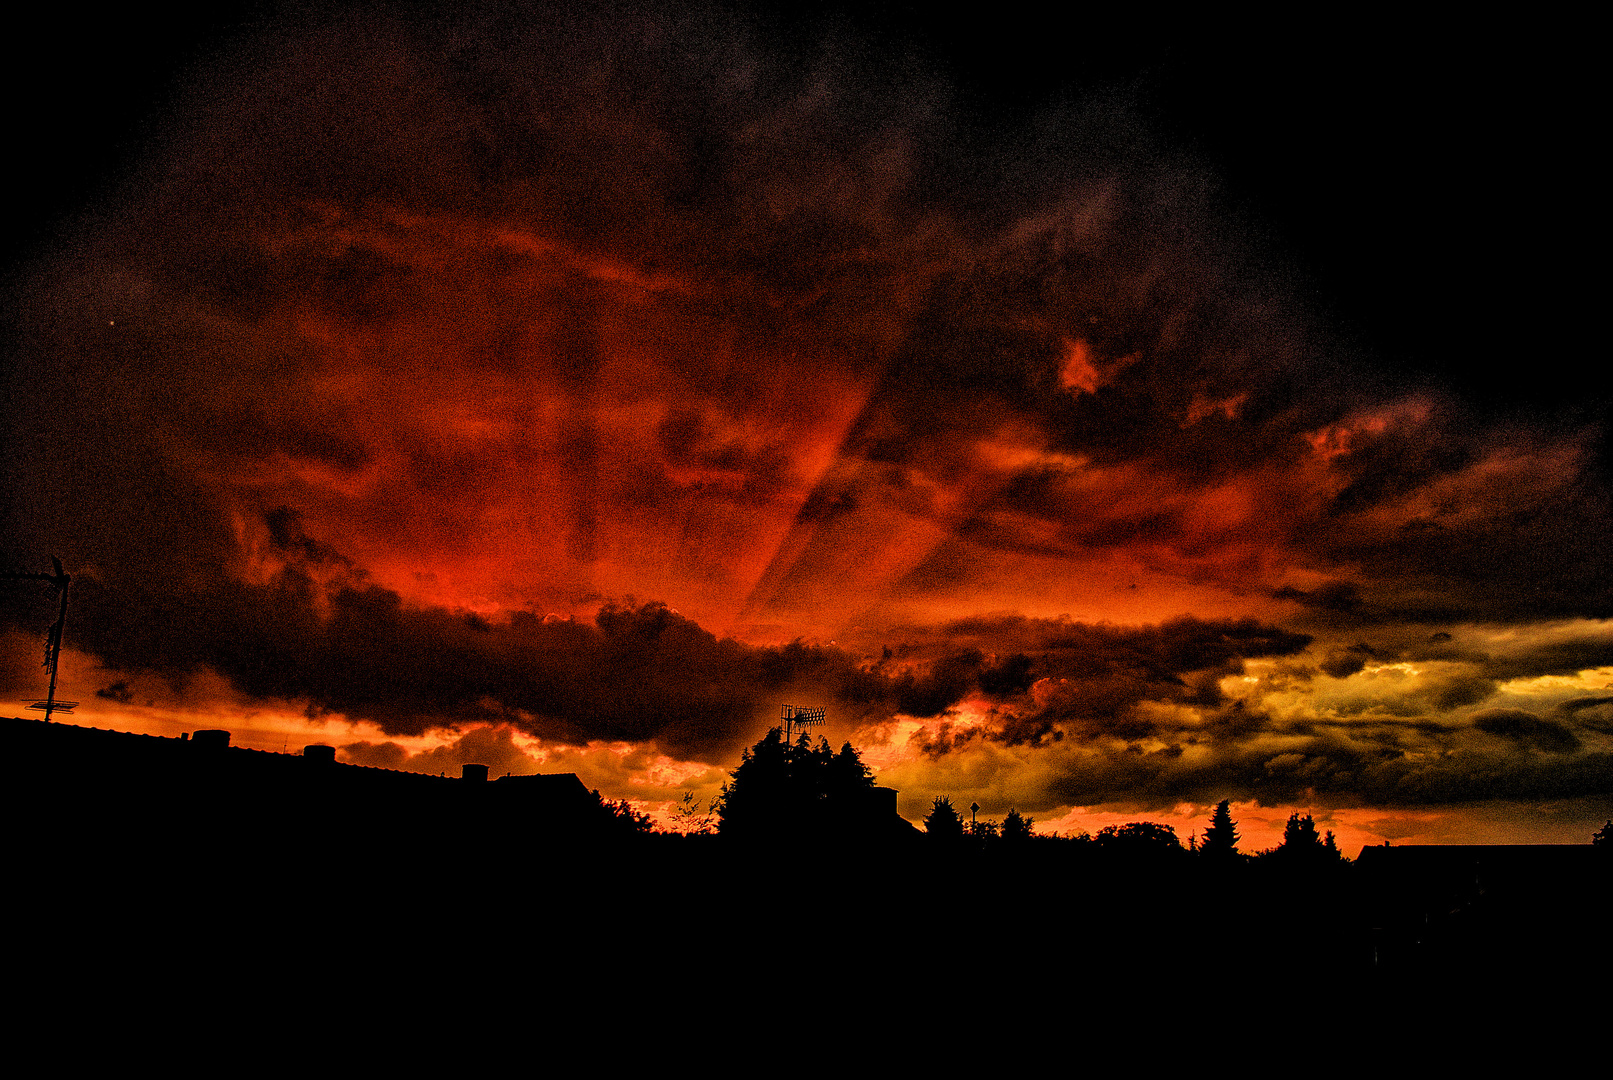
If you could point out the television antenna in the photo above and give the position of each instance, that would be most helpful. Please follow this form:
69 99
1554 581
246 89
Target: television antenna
796 716
53 640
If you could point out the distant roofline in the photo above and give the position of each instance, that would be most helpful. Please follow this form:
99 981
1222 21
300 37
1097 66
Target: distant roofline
41 722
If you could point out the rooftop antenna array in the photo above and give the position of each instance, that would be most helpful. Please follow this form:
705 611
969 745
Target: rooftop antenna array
795 716
53 640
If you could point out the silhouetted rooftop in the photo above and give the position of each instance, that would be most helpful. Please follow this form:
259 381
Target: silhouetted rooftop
200 778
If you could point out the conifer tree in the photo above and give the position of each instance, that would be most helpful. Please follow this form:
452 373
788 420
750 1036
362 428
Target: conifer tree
1016 827
1302 846
1221 838
1300 833
845 772
943 821
783 786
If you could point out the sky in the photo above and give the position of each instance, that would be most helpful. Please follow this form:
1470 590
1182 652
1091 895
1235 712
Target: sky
1100 426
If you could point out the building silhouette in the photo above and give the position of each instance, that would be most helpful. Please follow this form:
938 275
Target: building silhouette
89 789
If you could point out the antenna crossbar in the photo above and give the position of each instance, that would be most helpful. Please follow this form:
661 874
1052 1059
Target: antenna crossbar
798 716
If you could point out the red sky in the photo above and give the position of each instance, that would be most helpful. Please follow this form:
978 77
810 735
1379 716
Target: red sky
517 394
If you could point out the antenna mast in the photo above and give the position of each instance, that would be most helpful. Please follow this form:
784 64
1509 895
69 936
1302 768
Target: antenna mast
53 640
795 716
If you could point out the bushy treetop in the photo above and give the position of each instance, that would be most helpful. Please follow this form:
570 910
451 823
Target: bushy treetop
943 821
1138 837
1221 838
785 784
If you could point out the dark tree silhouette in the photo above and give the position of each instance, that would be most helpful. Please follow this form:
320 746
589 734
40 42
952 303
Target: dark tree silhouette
623 819
943 822
1300 833
1220 841
1138 838
983 832
768 787
845 772
1302 846
692 819
783 786
1603 837
1016 828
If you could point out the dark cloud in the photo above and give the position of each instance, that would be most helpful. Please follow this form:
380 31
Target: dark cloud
287 536
947 681
636 674
1459 690
1527 729
1326 770
1577 704
1339 596
1178 645
1568 655
1035 730
1063 677
1512 529
1133 748
1346 662
1011 675
118 691
1397 461
1590 714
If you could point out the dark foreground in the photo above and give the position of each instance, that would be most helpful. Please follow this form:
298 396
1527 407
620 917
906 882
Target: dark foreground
237 874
